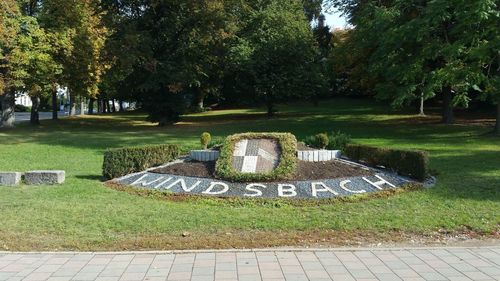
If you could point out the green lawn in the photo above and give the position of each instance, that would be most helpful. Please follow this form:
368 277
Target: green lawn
85 214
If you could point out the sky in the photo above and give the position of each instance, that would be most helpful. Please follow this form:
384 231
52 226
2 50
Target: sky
334 20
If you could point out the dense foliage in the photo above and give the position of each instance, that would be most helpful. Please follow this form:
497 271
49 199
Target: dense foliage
405 162
408 50
172 57
122 161
334 141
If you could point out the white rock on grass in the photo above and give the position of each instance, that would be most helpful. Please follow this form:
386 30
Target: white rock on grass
10 178
44 177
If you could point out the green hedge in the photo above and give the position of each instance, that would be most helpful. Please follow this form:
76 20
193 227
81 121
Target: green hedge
412 163
285 169
122 161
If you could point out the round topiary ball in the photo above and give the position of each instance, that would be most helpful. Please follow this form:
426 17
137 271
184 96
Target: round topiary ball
322 140
205 139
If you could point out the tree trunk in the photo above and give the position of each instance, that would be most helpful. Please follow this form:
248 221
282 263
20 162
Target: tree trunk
82 106
421 110
108 107
448 117
55 104
72 104
270 106
270 109
113 106
200 98
120 104
91 106
35 108
497 126
8 110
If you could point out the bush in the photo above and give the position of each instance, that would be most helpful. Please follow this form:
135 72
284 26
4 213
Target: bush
21 108
122 161
216 142
338 141
285 169
322 140
412 163
205 139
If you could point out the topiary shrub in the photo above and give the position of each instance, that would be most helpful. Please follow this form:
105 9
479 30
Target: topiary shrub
322 140
412 163
285 169
216 142
122 161
338 141
205 139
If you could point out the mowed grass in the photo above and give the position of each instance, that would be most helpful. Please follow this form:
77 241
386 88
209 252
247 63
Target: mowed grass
85 214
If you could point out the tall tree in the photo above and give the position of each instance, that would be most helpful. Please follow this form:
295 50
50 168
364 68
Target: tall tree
13 59
277 52
416 49
81 29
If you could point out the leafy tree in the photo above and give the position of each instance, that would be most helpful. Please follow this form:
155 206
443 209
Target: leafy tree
13 58
418 49
176 57
79 27
276 52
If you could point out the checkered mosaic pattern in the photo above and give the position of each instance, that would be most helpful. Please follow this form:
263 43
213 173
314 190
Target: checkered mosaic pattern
256 155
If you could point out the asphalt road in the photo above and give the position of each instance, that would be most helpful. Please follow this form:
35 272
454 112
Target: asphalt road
25 116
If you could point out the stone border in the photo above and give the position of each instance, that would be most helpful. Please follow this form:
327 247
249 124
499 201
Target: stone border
10 178
204 155
38 177
318 155
312 189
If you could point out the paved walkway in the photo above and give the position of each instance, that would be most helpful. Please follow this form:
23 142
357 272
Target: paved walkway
25 116
339 264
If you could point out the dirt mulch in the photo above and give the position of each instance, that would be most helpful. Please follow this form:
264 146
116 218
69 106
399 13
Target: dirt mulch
305 170
189 169
327 170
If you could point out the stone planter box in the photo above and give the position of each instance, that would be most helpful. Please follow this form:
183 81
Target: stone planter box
318 155
204 155
10 178
44 177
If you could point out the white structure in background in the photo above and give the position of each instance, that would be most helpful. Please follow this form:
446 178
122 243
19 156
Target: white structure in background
23 99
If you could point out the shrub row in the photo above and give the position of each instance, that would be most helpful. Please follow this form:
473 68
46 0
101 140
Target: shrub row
412 163
333 141
285 169
122 161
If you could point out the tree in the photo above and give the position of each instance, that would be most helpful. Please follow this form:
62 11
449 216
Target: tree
13 61
416 49
79 28
41 68
276 51
485 51
176 51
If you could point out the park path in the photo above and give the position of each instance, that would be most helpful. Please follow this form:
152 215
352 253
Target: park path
482 263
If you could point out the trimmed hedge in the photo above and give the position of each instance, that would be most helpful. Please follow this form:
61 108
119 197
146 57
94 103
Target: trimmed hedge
122 161
285 169
412 163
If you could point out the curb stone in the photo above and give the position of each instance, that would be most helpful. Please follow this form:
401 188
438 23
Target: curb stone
10 178
40 177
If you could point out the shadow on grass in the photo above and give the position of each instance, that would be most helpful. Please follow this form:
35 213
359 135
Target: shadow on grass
90 177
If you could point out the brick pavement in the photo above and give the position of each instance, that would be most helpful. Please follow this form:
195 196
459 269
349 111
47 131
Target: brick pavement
481 263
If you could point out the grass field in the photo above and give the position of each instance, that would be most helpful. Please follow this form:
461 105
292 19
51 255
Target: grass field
84 214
